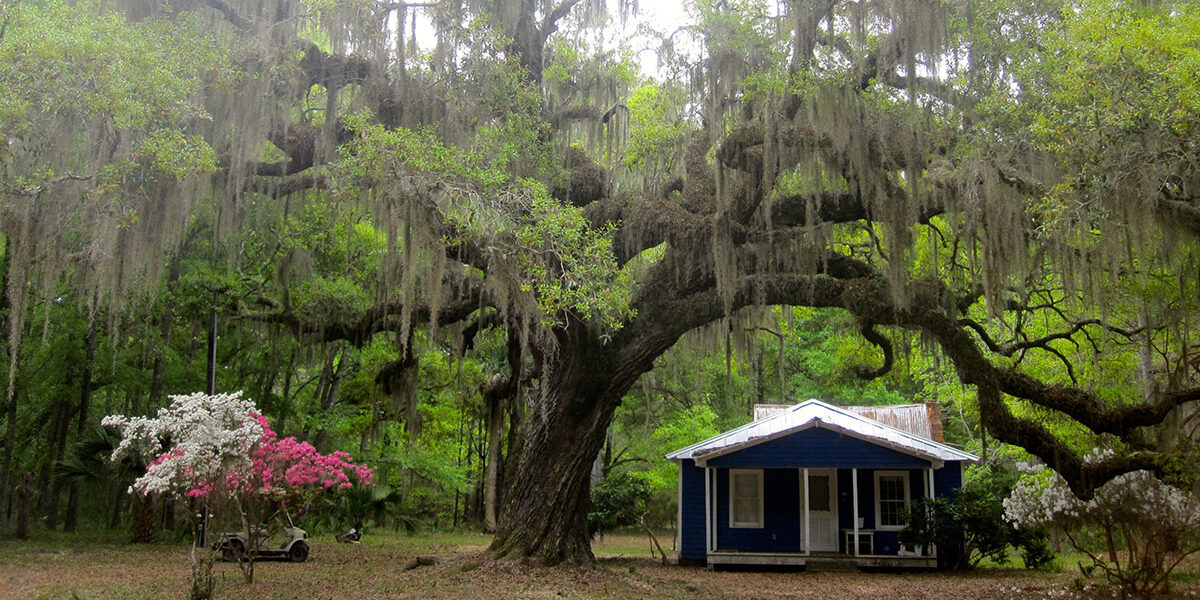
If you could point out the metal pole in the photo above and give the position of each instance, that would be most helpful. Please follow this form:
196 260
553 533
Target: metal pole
212 350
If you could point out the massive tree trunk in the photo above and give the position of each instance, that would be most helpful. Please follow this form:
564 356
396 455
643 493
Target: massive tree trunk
547 480
543 512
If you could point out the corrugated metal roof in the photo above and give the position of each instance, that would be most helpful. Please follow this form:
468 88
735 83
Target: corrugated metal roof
913 418
815 413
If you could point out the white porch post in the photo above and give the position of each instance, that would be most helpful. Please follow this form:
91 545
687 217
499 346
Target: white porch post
854 494
807 520
677 538
708 510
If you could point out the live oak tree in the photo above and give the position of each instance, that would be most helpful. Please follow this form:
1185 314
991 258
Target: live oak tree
1014 184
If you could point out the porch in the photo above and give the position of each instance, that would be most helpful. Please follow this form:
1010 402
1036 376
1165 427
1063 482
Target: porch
818 518
819 561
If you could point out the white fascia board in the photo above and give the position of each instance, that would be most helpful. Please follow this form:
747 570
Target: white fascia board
936 462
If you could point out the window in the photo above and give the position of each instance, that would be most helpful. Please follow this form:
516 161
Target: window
818 493
745 498
891 499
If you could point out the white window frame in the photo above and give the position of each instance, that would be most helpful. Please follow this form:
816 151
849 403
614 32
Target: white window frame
904 475
757 523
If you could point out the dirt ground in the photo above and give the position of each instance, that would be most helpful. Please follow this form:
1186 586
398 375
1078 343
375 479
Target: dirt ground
375 569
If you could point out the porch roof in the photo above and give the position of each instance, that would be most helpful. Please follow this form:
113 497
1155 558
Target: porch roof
815 413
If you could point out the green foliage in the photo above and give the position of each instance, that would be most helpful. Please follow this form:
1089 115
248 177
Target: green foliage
564 263
618 500
656 129
570 266
64 65
330 300
1119 102
177 155
977 515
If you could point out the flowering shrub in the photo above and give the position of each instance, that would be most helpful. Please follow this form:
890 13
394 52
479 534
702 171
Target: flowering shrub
201 445
192 444
219 449
1135 530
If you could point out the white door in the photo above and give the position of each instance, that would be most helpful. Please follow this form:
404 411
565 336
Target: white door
822 509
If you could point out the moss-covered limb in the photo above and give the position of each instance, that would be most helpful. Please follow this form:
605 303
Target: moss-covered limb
1088 408
284 186
568 115
1084 475
299 141
359 329
992 382
333 71
231 14
1180 214
646 221
832 207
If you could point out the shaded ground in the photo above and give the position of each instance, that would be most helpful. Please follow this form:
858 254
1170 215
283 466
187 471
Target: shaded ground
375 569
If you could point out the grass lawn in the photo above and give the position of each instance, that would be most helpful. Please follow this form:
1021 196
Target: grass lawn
100 568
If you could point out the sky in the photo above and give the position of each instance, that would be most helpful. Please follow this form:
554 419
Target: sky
663 15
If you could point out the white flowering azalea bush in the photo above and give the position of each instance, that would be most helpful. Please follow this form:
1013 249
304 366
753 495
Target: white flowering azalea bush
1135 530
191 445
217 449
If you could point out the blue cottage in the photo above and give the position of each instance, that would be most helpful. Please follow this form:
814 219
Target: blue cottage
814 483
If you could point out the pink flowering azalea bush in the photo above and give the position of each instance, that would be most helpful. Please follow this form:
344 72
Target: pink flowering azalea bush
288 469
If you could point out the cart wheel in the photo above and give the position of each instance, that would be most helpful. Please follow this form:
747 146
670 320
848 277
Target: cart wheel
298 553
233 550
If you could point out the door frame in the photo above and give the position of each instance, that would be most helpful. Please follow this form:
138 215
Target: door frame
806 520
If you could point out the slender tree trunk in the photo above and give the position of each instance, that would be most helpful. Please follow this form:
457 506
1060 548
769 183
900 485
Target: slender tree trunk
6 495
166 323
49 486
118 505
24 498
331 375
497 395
144 522
10 442
495 430
71 521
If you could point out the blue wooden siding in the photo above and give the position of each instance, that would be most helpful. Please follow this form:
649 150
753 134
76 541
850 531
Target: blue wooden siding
946 484
781 519
691 527
816 448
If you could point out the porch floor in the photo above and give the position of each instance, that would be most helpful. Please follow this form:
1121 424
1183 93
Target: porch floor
820 561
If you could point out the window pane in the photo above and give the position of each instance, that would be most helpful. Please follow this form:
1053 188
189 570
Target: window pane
745 511
746 503
891 500
745 485
818 492
891 487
